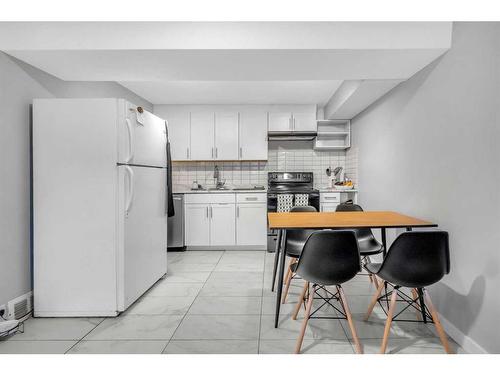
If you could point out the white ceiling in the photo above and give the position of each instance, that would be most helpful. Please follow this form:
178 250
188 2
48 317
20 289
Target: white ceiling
235 92
217 63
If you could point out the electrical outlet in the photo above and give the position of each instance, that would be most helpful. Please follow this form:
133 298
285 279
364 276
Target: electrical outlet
3 311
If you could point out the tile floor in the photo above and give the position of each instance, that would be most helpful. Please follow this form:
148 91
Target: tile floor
219 302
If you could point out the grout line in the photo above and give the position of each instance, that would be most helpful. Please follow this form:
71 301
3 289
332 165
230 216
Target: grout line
81 339
194 299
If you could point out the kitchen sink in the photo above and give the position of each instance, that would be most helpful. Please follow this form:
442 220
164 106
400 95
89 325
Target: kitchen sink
218 188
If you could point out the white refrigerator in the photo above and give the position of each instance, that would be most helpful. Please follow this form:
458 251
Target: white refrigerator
99 205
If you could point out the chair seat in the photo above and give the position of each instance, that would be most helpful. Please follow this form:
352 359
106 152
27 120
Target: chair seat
294 248
369 246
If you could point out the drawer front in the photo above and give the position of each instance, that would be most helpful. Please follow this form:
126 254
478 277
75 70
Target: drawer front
251 198
329 197
209 198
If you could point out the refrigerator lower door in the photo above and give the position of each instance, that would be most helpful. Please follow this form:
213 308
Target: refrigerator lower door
143 231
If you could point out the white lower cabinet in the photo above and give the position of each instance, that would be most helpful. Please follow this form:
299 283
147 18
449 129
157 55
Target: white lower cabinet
251 223
226 220
197 224
328 207
222 224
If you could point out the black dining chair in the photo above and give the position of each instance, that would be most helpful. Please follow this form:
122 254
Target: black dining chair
294 243
367 243
415 260
329 258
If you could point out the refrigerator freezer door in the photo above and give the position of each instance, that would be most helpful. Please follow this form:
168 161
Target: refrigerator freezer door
143 229
141 137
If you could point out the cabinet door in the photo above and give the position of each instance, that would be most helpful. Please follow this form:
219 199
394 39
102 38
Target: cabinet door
202 136
328 207
226 136
197 224
280 122
222 224
179 136
304 121
253 136
251 224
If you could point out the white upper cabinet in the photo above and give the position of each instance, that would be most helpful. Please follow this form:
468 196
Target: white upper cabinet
253 135
202 136
226 136
304 121
292 118
280 122
179 135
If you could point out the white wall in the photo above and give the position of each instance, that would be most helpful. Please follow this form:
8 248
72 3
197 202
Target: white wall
19 84
430 148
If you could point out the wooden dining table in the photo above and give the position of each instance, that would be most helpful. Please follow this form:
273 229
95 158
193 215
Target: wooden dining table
283 221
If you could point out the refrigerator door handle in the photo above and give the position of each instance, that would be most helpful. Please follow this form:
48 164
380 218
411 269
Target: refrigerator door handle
130 199
130 141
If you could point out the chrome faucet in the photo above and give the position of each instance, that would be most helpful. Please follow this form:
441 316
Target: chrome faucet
219 183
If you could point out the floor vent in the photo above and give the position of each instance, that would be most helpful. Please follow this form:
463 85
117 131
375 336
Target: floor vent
21 306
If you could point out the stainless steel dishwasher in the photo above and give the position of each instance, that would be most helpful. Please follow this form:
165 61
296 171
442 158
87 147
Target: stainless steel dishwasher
175 241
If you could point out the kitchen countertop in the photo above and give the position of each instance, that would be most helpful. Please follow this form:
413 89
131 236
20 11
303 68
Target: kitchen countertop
332 190
183 189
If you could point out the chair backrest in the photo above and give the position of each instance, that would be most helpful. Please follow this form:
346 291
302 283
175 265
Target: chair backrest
418 259
303 209
329 257
348 207
366 240
297 236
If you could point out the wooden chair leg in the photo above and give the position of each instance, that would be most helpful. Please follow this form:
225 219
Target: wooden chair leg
437 323
374 300
288 279
415 297
348 314
375 280
301 300
300 339
388 322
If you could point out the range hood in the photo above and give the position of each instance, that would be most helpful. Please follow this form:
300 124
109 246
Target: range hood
291 136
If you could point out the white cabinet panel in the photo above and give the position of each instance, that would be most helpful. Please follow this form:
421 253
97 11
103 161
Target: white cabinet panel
179 135
280 122
222 225
226 136
304 121
202 136
328 207
197 224
251 224
253 135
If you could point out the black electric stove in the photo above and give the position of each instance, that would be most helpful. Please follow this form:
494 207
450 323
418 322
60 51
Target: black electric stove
288 183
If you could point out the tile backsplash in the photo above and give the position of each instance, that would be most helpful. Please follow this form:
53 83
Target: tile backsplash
297 156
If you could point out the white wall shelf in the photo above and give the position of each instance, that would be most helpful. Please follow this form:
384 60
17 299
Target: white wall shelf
333 135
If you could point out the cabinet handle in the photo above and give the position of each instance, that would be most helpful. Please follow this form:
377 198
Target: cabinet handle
331 198
211 213
212 152
294 123
207 212
290 123
251 198
216 152
187 152
241 153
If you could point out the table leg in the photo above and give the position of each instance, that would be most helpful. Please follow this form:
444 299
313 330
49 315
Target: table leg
276 257
280 280
384 244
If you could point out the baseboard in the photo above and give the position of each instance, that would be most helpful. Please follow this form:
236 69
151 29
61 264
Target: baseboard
467 343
